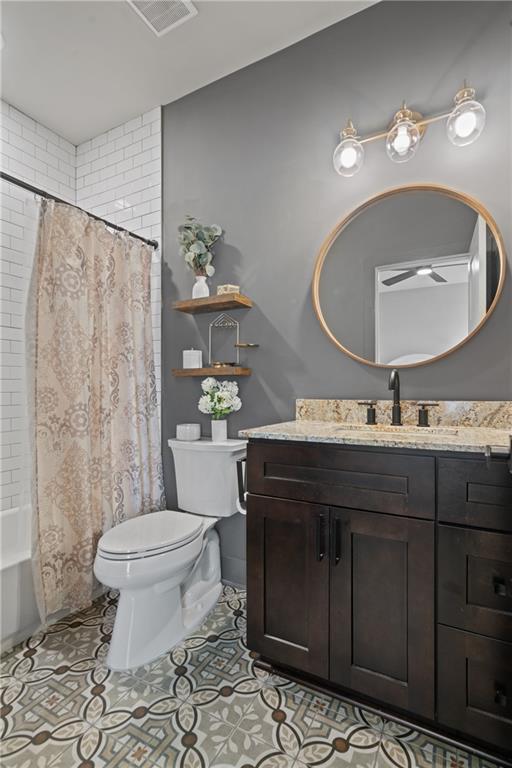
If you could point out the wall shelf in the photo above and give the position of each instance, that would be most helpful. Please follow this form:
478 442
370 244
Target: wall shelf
225 370
213 304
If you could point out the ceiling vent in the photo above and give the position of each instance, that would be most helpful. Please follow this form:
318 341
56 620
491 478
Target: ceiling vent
163 15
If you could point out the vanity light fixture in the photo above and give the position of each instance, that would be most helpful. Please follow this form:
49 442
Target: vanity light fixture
467 120
348 156
465 123
404 136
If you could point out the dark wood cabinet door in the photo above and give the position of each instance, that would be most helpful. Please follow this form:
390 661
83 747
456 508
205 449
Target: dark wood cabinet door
475 581
475 686
382 608
288 583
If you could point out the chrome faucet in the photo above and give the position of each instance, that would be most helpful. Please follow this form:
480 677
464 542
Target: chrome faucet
394 384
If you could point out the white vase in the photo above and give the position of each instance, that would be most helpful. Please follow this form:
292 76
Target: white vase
200 289
219 430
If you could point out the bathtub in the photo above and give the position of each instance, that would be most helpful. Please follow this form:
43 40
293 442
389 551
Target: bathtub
18 614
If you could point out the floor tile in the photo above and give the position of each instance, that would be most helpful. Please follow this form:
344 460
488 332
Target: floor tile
403 746
100 690
166 730
204 704
95 749
244 750
328 704
232 593
36 734
279 719
334 739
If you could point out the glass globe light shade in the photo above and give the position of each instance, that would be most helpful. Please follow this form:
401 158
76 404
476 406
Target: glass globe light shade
402 140
467 120
348 156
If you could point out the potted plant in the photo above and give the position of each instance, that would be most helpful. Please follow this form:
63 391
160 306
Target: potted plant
219 399
196 242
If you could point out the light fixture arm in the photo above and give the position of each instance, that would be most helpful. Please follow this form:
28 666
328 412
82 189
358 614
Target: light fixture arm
420 124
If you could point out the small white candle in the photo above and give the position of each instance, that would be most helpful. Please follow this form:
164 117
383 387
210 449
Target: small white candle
192 358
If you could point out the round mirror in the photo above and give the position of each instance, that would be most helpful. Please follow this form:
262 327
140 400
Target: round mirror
409 276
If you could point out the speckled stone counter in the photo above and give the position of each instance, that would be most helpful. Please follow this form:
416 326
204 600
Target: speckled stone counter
457 426
450 413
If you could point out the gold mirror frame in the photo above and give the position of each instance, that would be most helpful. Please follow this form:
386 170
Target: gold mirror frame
331 237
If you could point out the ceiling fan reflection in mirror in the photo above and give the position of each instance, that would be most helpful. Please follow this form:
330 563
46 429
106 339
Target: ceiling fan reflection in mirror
420 271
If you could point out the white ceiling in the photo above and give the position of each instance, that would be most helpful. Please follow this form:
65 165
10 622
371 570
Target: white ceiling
81 68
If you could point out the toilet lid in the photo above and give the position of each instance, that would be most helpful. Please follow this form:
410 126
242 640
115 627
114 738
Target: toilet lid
154 531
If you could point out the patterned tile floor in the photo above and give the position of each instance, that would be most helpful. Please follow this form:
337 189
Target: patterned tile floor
202 705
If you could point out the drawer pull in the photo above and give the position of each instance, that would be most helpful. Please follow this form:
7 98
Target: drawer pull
500 587
320 538
501 696
336 541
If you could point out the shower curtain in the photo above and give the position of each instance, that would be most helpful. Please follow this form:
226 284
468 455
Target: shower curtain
95 428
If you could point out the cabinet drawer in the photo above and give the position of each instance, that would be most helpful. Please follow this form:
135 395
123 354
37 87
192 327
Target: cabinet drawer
475 686
395 484
471 492
475 581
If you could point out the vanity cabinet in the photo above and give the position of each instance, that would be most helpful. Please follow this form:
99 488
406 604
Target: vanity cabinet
344 595
388 574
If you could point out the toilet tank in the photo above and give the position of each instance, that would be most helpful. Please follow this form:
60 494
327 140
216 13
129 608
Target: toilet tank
206 477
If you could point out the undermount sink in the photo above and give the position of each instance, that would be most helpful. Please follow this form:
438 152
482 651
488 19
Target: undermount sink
403 431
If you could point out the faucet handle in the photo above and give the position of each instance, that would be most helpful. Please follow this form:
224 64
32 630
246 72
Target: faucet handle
423 406
370 410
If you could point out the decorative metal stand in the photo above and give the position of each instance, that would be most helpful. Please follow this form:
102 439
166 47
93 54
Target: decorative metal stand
226 321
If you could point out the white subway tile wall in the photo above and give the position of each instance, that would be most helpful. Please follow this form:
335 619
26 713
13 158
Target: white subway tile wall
115 175
30 152
118 177
35 154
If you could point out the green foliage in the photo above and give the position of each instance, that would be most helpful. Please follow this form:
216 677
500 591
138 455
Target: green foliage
196 241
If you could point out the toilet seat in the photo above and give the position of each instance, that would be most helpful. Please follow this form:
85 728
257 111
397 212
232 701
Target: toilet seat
149 535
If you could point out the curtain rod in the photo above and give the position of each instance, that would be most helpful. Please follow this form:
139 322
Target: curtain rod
42 193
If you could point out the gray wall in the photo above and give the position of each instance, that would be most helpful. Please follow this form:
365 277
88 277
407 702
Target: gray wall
252 152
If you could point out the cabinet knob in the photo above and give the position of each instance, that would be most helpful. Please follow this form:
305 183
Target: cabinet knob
499 586
501 696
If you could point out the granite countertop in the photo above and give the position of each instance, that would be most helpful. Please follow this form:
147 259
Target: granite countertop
438 438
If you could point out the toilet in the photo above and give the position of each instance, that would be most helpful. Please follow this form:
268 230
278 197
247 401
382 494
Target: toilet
166 565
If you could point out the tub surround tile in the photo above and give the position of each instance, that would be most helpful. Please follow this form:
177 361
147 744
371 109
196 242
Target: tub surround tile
202 705
495 414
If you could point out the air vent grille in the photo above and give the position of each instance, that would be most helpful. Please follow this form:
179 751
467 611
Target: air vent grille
163 15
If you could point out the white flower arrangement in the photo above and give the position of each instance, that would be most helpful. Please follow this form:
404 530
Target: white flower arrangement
220 398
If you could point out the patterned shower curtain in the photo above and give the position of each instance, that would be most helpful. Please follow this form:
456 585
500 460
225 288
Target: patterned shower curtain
95 428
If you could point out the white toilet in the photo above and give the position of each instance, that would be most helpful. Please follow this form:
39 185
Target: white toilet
166 565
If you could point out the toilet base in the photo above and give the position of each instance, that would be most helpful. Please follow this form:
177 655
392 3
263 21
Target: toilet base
153 619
